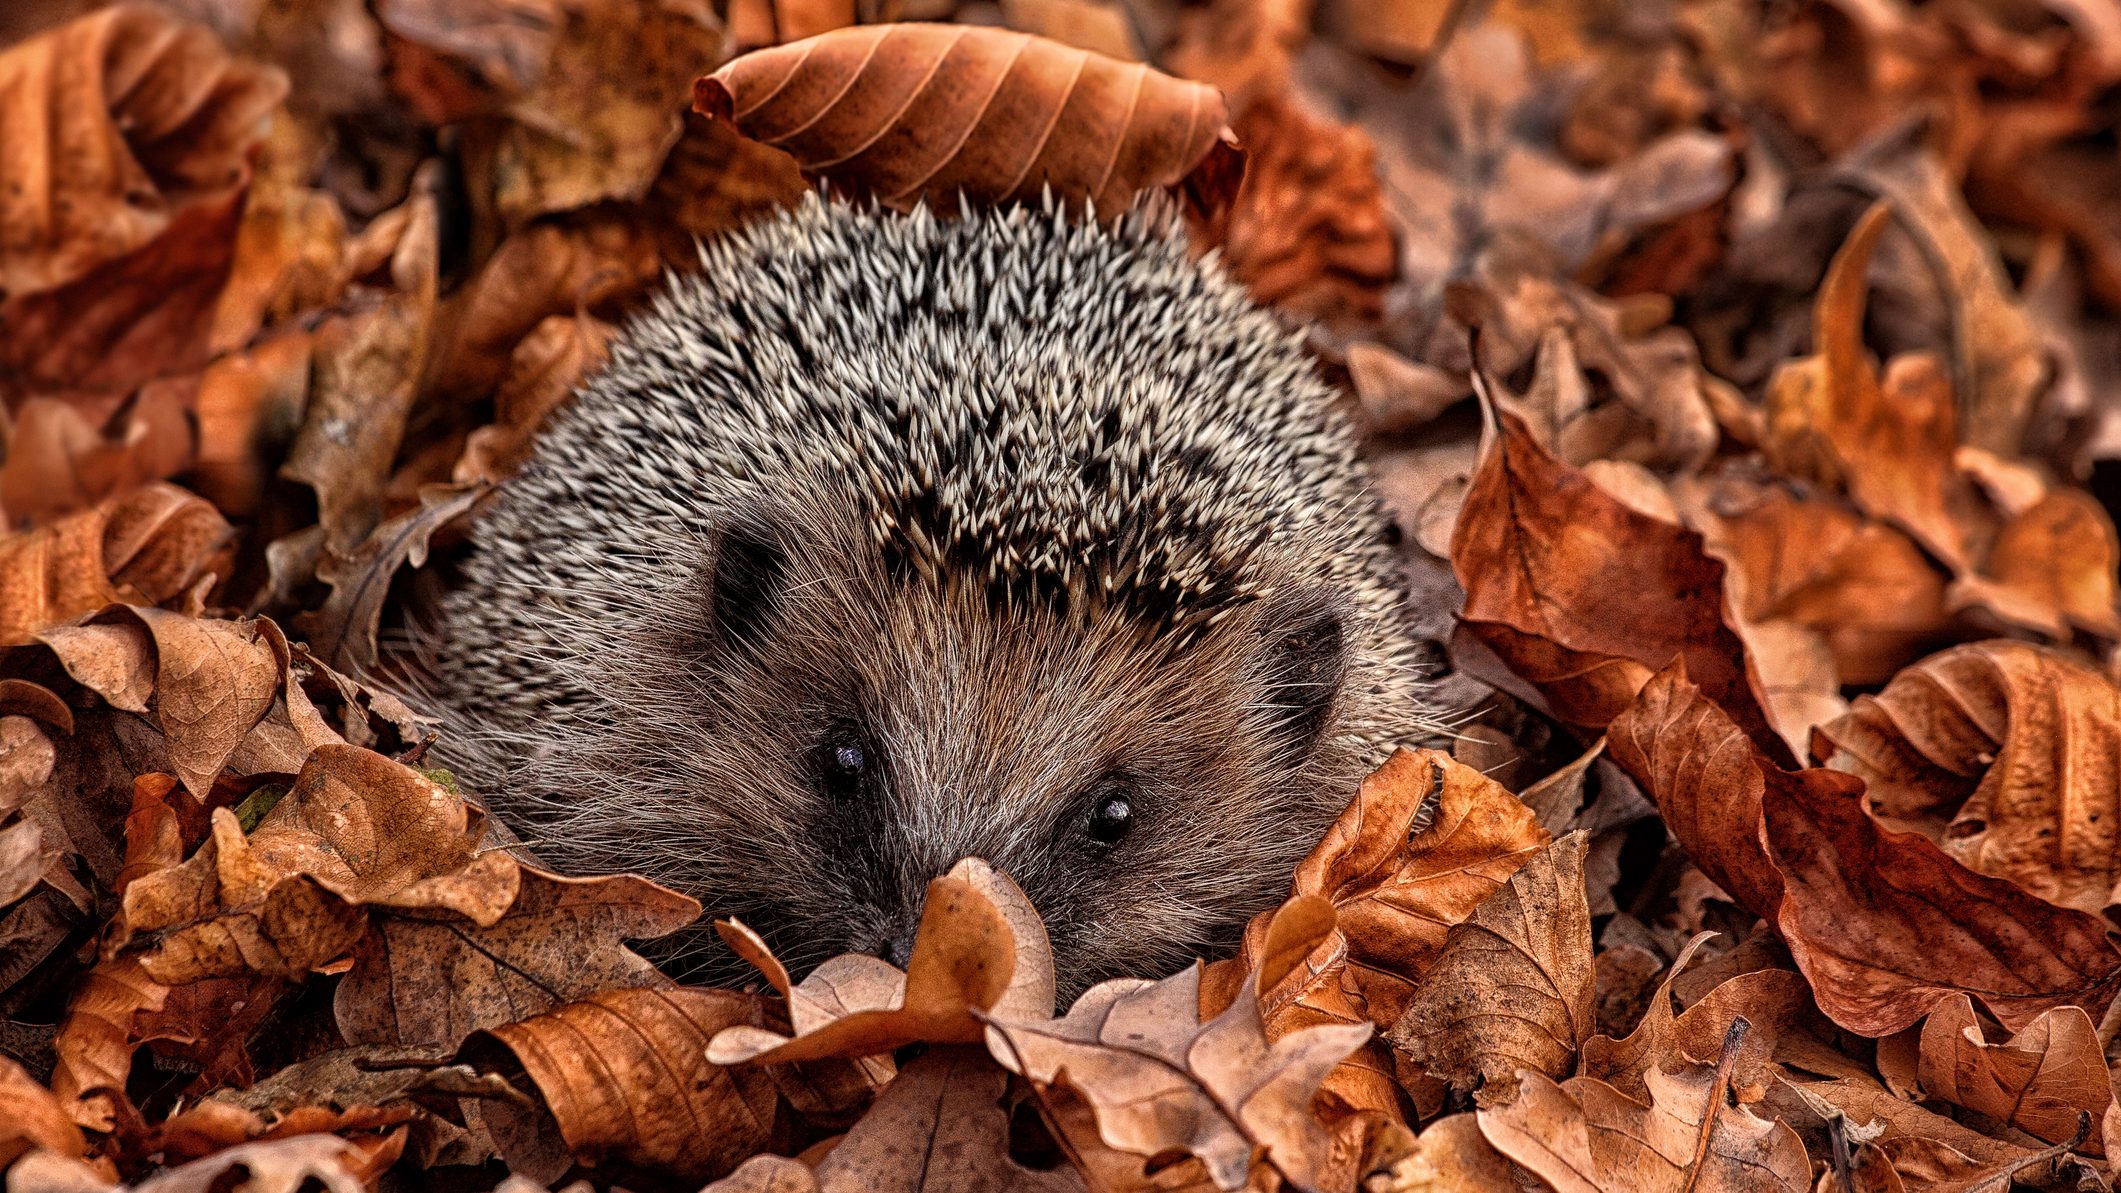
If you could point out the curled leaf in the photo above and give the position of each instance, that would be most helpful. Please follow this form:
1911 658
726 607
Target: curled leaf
912 112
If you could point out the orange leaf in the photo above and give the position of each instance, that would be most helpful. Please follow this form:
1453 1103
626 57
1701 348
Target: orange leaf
911 112
151 544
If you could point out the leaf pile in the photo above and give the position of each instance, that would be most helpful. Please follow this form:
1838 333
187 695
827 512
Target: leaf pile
1744 379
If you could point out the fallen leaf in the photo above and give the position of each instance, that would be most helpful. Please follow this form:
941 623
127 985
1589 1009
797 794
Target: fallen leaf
1587 598
2052 568
2044 1080
912 112
113 124
583 131
342 631
1158 1080
965 960
626 1077
34 1117
1511 991
558 354
1582 1136
941 1124
1891 444
94 1047
433 970
1307 231
1424 843
149 545
1884 925
59 462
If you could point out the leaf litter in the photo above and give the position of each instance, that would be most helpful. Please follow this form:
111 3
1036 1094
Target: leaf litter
1742 377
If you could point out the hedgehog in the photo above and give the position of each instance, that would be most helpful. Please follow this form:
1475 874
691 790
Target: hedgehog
887 540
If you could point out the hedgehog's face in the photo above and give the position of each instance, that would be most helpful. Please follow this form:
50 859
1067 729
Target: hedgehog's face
861 732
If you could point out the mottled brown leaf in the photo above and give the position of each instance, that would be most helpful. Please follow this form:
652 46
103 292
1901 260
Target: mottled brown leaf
2051 569
342 631
1511 992
150 545
912 112
1583 1136
1159 1080
2008 755
1884 925
31 1118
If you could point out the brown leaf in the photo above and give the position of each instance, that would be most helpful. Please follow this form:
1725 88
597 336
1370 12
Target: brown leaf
33 1118
1883 924
1424 843
94 1047
1583 1136
2008 754
2051 568
977 931
59 461
436 968
1158 1080
149 545
342 631
1586 597
626 1077
1861 585
1511 992
940 1125
1889 444
2044 1080
367 368
112 125
1308 231
912 112
582 129
543 372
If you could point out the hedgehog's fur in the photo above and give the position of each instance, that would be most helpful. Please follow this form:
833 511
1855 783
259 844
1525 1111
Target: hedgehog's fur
1031 510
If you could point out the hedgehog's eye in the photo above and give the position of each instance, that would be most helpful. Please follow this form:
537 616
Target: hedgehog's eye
1111 817
843 765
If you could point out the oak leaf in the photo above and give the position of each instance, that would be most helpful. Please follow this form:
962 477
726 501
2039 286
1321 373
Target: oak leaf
2045 1080
1884 925
1585 597
1511 992
1158 1080
1424 843
913 111
2008 754
1583 1136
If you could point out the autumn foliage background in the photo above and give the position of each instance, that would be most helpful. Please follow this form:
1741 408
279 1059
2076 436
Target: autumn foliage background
1744 377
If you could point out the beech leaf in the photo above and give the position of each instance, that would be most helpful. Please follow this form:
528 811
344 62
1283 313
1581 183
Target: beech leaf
914 111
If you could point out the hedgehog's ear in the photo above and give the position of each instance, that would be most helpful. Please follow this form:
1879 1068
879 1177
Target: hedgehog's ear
1303 658
745 577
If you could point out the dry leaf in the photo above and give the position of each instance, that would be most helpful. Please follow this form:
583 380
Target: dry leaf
1883 924
1308 231
435 968
1157 1080
1425 842
2044 1080
626 1077
1511 991
940 1125
150 545
342 631
1587 598
112 125
34 1118
2008 754
912 112
1583 1136
979 947
2051 568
